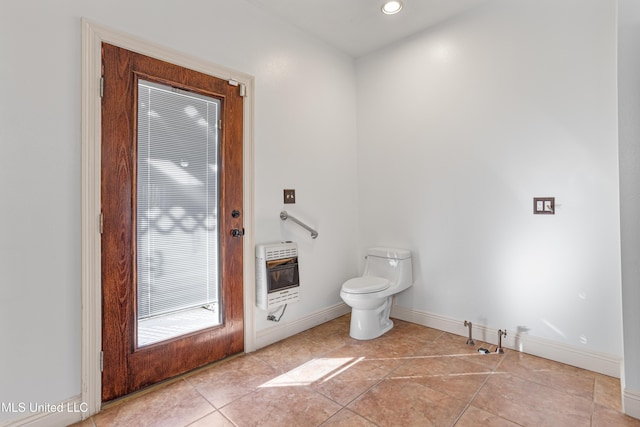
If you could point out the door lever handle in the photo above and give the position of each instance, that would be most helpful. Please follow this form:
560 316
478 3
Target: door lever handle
236 232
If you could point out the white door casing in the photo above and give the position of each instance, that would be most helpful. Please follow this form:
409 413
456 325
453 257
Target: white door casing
92 37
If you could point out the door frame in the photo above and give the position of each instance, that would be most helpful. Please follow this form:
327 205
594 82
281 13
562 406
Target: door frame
91 285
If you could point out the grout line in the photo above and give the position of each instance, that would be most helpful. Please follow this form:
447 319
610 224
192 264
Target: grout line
204 416
593 401
478 391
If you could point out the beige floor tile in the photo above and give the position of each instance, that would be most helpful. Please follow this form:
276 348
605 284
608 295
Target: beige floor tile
397 346
522 363
456 376
355 377
281 406
420 337
608 392
421 366
460 386
290 353
368 351
474 417
347 418
531 404
606 417
212 420
177 404
407 402
394 348
232 379
490 361
344 392
549 373
337 328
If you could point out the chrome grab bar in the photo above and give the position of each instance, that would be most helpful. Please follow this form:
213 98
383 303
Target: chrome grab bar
284 216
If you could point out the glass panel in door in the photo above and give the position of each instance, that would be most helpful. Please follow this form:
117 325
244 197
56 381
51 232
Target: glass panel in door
177 203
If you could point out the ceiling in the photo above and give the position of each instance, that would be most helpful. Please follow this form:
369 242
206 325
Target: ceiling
358 27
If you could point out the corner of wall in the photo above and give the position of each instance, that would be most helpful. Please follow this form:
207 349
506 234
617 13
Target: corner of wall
631 402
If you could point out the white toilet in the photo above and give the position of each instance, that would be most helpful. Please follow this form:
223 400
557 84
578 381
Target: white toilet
387 272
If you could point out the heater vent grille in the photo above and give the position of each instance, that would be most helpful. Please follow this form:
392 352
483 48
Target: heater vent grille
279 253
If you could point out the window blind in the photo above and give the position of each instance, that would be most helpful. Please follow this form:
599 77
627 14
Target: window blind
177 199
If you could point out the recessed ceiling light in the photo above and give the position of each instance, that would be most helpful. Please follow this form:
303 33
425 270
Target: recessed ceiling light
391 7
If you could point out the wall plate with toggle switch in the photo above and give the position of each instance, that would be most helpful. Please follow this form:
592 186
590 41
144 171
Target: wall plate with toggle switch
289 196
544 205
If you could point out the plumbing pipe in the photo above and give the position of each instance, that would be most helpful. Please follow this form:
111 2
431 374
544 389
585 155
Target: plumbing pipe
470 340
501 334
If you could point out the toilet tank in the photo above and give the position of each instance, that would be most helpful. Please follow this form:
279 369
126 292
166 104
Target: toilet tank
389 263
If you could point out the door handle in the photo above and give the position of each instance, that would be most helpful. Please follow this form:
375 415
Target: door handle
236 232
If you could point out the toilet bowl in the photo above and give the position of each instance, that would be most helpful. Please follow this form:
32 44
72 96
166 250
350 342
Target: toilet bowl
387 272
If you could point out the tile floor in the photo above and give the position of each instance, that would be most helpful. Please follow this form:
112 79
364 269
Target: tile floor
411 376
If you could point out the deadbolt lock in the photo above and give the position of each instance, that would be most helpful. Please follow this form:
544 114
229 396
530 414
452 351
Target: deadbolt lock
237 232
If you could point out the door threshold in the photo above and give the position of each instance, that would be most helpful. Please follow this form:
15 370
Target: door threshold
157 386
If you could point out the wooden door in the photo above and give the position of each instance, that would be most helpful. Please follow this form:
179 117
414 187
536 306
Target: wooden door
128 365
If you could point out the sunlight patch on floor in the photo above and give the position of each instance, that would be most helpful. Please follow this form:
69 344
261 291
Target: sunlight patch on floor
322 369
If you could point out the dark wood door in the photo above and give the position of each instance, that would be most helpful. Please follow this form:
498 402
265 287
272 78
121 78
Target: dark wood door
128 366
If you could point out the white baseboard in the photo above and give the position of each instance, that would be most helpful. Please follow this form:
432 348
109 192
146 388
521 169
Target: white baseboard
63 413
631 402
285 330
597 362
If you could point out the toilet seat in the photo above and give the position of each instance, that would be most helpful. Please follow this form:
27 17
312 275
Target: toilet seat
365 285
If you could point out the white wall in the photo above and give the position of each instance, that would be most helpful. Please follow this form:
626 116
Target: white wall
629 132
460 127
305 138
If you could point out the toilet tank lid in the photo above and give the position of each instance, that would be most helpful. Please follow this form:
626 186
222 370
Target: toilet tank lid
392 253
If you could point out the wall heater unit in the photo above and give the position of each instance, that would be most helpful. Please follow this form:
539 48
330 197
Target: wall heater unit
277 275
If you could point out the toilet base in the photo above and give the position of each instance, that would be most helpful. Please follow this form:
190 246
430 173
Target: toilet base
370 324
